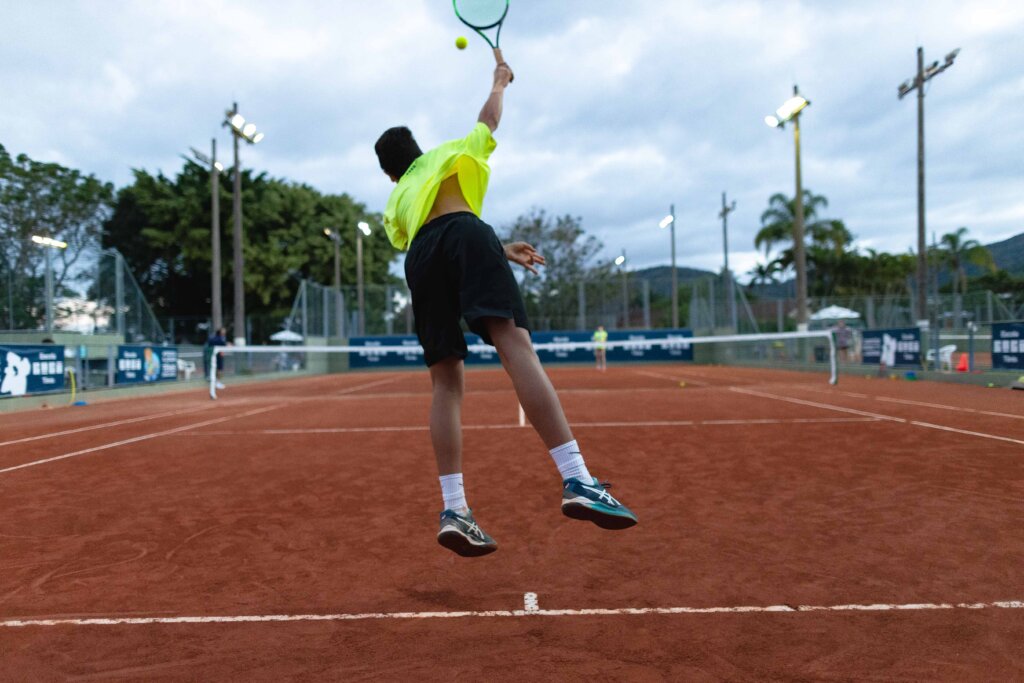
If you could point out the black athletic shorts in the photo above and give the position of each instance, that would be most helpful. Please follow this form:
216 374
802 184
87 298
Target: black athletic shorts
456 268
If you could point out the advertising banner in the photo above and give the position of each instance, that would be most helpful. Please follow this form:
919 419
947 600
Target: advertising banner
894 347
683 351
146 364
27 369
372 358
1008 346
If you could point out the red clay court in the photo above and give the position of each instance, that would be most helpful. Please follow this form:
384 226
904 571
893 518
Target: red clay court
789 529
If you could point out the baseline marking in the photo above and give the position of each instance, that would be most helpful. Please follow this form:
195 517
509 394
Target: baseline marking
144 437
941 406
666 423
530 610
103 425
916 423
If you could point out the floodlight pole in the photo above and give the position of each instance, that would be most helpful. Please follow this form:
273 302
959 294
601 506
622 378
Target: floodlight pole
236 236
245 131
49 291
359 282
675 277
217 314
917 83
726 210
625 292
799 252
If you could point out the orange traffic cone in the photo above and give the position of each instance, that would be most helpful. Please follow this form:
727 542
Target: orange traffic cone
962 365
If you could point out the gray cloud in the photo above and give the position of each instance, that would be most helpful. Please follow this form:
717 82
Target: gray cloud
618 109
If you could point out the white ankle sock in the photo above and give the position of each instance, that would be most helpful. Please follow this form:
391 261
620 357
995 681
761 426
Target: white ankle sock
453 492
569 461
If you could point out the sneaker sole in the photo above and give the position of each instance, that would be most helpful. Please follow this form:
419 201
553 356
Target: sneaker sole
601 519
460 545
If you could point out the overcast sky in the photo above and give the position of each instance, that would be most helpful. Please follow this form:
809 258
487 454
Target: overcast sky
618 110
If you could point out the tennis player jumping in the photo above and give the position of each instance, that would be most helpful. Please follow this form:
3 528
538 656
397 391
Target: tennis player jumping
457 268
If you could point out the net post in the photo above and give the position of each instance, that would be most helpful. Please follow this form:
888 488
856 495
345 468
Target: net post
834 379
213 373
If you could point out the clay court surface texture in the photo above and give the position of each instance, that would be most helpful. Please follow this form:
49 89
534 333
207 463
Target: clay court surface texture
789 530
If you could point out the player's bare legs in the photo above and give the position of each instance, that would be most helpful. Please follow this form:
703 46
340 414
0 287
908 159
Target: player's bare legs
533 388
448 380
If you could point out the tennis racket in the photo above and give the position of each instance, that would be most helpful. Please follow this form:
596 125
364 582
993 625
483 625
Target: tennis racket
484 15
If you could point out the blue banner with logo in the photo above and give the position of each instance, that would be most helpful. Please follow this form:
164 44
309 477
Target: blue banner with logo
1008 346
898 346
27 369
372 358
146 364
682 351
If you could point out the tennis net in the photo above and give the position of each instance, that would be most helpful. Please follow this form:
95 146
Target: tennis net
814 351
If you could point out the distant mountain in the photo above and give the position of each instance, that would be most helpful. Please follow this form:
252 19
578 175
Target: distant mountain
660 277
1009 254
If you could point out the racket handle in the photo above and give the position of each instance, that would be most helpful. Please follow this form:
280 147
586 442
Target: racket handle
501 60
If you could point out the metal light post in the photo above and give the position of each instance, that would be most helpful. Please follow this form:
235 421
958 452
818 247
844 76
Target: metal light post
336 238
669 221
363 229
49 243
240 130
917 83
724 214
620 261
790 111
216 308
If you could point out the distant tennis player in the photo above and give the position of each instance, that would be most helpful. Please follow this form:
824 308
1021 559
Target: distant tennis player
600 338
457 268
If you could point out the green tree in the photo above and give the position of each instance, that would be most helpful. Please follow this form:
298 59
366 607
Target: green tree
956 252
162 226
777 222
571 257
47 199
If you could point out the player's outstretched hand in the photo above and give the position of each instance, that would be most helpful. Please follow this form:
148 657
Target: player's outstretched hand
525 255
502 75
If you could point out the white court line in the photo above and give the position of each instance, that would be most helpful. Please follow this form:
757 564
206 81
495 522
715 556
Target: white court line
367 385
104 425
658 375
531 610
144 437
941 406
916 423
574 425
815 404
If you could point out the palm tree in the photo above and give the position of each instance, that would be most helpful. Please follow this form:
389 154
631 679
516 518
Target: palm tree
957 252
777 220
764 273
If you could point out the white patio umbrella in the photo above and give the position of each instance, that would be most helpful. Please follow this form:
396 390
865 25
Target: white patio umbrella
835 313
286 336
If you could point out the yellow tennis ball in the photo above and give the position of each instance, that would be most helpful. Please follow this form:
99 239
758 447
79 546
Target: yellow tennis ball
461 42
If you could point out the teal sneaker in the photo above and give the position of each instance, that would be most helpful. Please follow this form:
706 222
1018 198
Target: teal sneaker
592 502
462 535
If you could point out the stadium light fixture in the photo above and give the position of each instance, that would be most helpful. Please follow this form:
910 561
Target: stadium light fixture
240 130
364 227
49 242
666 221
790 111
52 244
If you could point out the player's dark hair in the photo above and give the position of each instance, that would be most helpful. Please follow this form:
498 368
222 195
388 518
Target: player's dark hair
396 150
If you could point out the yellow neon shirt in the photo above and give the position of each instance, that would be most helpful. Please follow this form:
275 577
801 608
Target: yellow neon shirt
600 336
411 200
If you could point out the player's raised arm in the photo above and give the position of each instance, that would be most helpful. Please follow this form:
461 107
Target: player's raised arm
491 112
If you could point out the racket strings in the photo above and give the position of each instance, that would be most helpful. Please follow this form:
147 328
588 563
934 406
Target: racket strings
481 13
